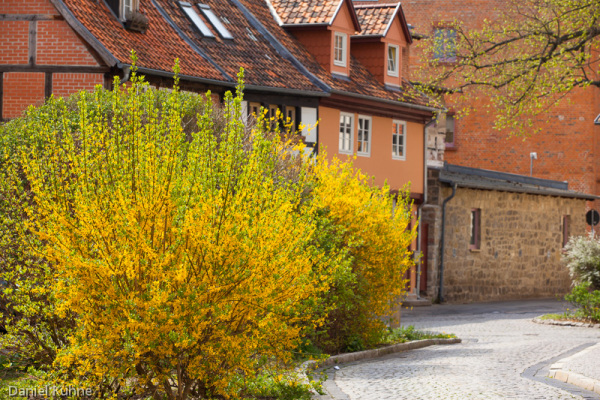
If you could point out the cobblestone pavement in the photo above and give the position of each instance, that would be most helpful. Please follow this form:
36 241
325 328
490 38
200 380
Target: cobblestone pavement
502 356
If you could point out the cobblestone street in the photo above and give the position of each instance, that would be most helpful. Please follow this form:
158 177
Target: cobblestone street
504 355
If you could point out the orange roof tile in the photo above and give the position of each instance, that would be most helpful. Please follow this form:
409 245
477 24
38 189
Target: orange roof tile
294 12
360 81
375 19
263 64
156 49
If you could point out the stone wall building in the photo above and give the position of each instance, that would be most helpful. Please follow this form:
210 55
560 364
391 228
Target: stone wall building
503 235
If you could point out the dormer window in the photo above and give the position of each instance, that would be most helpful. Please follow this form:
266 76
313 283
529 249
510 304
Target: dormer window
393 60
128 12
128 7
340 48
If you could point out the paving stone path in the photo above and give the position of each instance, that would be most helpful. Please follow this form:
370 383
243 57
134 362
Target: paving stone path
501 353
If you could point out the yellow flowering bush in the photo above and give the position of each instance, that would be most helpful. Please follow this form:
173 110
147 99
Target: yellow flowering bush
184 254
372 230
157 245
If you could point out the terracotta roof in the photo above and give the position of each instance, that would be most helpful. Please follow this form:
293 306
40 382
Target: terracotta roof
360 81
294 12
271 56
156 49
375 19
262 63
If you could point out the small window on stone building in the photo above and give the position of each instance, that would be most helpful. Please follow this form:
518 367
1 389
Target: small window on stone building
566 222
254 109
475 229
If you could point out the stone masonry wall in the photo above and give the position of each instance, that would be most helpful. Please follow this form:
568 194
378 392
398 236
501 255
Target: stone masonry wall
521 245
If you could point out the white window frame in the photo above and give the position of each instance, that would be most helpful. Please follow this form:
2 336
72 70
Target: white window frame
343 49
342 149
127 4
396 61
395 151
360 131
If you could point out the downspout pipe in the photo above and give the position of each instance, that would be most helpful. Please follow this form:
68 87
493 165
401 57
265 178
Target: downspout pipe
446 200
420 209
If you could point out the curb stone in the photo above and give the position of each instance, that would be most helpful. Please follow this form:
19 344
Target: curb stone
538 320
559 370
329 365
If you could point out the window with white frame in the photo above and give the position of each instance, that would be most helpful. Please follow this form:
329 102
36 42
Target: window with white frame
364 136
339 49
346 133
393 60
128 7
399 140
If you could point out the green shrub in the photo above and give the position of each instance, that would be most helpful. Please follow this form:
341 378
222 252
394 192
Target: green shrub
587 301
582 257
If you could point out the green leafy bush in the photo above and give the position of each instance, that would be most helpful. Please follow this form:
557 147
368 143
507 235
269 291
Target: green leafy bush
587 301
582 257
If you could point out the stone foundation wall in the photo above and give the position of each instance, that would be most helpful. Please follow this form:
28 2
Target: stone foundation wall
521 245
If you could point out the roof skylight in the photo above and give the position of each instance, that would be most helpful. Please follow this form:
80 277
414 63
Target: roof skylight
195 18
215 21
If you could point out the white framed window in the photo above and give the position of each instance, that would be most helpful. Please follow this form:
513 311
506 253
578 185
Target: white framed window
346 133
127 7
399 140
340 49
364 136
393 60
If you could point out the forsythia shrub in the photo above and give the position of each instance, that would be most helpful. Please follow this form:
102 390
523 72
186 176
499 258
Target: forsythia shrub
373 231
183 255
158 246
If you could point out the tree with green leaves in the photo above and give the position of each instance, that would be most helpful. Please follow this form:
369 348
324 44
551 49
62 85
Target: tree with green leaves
525 61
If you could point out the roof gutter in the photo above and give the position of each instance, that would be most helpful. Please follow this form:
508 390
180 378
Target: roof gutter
190 78
378 99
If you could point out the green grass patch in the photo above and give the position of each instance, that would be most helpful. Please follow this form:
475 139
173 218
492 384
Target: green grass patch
409 333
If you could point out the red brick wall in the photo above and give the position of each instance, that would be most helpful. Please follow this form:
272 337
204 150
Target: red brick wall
14 36
22 89
57 44
26 7
66 84
567 147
